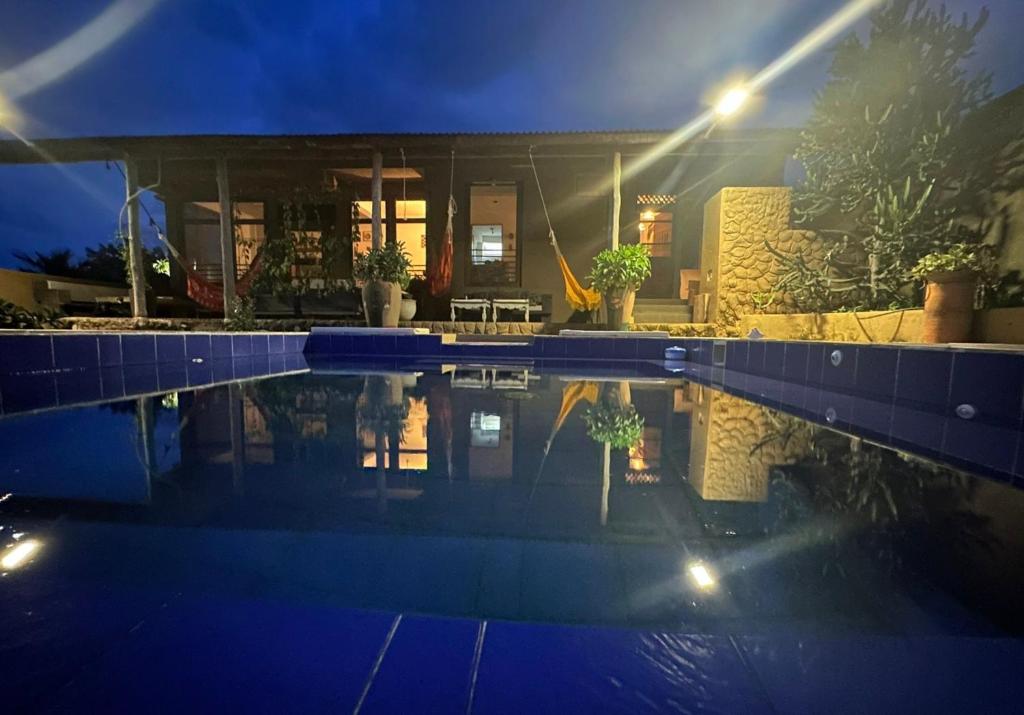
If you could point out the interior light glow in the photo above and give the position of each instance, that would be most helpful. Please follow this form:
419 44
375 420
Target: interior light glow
730 102
20 554
701 575
647 215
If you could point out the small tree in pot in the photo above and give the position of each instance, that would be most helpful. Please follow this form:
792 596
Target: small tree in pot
617 274
382 273
951 284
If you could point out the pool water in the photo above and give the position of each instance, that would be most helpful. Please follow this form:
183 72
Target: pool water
464 496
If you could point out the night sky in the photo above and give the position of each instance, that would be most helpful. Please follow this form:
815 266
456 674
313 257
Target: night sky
313 66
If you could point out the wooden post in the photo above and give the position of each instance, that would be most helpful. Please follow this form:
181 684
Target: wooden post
227 238
616 198
135 255
376 190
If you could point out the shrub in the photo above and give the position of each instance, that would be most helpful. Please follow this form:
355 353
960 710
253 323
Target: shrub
625 267
959 257
243 316
390 263
618 425
13 317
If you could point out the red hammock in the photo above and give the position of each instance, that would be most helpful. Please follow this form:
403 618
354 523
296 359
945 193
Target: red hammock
210 295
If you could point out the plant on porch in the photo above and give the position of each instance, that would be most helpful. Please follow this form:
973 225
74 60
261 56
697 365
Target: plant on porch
617 273
889 167
303 257
384 274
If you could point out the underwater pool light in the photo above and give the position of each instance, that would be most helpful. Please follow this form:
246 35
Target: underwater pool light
701 575
20 554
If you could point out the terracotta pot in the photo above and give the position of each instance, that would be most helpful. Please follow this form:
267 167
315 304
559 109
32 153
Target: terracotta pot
949 307
408 311
382 303
618 305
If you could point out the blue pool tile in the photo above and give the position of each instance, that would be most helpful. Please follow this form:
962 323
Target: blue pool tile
111 382
922 379
405 344
336 344
231 655
993 382
990 446
138 349
917 430
794 396
170 348
261 364
736 355
220 347
25 353
360 345
275 344
774 359
870 417
624 348
580 348
140 379
815 363
427 668
888 674
260 344
243 367
833 409
795 368
649 349
428 345
384 345
198 347
223 370
110 350
296 343
172 376
200 373
295 361
755 357
241 345
843 375
79 386
876 371
28 392
75 351
277 364
539 669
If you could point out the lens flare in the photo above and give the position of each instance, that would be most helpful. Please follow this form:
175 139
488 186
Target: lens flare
20 554
731 101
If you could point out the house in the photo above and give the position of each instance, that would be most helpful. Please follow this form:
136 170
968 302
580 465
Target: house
500 237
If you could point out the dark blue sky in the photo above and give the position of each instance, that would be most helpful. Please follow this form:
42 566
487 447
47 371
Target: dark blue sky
275 66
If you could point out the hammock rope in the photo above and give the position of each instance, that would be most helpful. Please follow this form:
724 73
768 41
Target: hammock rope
576 295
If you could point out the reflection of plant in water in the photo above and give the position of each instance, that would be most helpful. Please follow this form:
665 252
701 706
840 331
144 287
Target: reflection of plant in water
287 404
613 419
893 506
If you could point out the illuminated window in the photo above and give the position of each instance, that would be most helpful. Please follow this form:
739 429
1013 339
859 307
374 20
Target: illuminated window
494 238
408 221
485 430
412 441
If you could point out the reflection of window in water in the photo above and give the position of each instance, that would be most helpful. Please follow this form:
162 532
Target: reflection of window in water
645 458
412 443
485 429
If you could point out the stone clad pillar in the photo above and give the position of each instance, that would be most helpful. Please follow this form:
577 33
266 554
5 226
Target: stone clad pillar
734 263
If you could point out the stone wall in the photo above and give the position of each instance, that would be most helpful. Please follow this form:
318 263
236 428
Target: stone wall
735 266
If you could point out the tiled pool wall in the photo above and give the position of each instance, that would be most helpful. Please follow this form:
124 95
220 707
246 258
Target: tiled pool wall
962 405
43 370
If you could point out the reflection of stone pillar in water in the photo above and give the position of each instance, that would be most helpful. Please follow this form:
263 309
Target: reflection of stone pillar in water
145 419
236 422
732 448
606 482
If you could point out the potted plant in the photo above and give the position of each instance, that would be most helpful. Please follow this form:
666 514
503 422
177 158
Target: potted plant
950 284
613 420
381 273
617 274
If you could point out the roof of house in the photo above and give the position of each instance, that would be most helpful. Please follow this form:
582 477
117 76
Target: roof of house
321 146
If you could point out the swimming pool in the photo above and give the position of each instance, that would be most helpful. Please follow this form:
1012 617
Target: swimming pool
494 535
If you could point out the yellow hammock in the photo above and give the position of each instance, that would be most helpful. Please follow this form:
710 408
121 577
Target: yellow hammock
576 295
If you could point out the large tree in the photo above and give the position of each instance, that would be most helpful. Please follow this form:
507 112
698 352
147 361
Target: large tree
889 168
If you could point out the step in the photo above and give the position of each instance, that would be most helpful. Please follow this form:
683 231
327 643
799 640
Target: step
659 301
662 316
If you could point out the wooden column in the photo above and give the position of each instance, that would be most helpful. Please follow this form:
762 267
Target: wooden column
376 190
227 238
135 257
616 198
